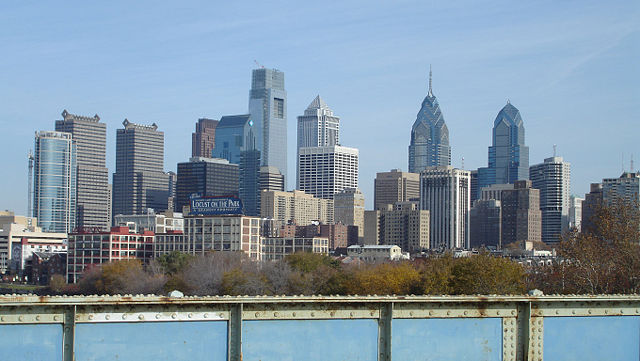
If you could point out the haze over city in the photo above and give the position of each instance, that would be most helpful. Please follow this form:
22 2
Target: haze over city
568 67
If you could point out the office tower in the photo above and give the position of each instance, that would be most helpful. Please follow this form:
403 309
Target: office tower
429 136
139 182
395 186
592 201
295 207
372 227
270 179
475 189
268 109
235 134
204 139
172 178
325 171
485 224
348 209
445 192
494 191
553 179
54 181
208 177
403 224
318 127
575 213
249 182
508 156
521 215
625 188
90 136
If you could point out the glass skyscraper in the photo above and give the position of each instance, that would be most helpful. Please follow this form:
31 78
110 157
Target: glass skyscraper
268 109
508 156
54 183
234 135
429 136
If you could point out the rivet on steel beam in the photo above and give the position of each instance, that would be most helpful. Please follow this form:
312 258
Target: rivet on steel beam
430 313
257 314
67 329
174 316
124 317
157 316
621 311
557 312
91 317
497 312
66 346
141 317
606 311
275 314
589 311
513 312
350 314
206 315
448 313
539 322
466 313
293 314
373 312
107 317
332 313
313 314
190 315
20 318
2 318
411 313
539 330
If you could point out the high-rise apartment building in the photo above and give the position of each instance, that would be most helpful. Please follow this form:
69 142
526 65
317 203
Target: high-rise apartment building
295 207
348 209
139 182
508 156
395 186
55 181
521 215
575 213
403 224
553 179
90 136
625 188
325 171
268 109
204 139
445 192
485 224
208 177
429 136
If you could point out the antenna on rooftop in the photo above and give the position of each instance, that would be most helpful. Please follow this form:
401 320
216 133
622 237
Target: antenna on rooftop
622 162
430 76
631 165
30 159
462 162
555 148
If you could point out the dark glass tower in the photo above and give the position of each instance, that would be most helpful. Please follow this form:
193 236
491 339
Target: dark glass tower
429 136
508 156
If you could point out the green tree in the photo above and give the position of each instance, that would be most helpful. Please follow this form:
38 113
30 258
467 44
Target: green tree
485 274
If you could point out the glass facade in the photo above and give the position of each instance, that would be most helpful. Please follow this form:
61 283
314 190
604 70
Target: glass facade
54 192
235 134
429 137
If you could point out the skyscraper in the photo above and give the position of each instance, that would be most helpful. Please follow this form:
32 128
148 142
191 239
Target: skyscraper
445 192
204 139
325 171
139 182
54 181
395 186
348 209
429 136
625 188
592 201
235 134
250 182
508 156
268 109
318 127
553 179
90 137
521 215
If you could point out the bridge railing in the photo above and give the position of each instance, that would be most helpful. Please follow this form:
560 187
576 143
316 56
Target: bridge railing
320 328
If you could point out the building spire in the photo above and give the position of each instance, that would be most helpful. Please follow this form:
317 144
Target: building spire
430 75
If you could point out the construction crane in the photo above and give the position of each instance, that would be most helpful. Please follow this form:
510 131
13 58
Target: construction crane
258 64
30 159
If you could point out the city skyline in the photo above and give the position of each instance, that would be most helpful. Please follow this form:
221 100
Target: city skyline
376 92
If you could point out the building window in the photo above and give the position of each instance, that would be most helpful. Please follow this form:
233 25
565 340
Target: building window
278 107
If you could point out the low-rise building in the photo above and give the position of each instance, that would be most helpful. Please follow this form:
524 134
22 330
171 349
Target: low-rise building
87 249
223 233
295 206
171 241
155 222
273 249
377 253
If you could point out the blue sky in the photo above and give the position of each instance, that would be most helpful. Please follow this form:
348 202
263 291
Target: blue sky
570 67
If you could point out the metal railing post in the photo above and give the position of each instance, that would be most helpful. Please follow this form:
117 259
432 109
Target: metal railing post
384 331
235 333
68 333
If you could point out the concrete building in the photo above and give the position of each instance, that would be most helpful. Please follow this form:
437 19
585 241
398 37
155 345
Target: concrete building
445 192
88 248
268 109
521 215
270 179
139 182
372 227
395 186
508 156
171 241
575 213
625 188
378 253
494 191
485 224
429 145
92 179
223 233
325 171
276 248
592 201
55 181
348 209
155 222
295 206
553 179
339 235
405 225
20 236
203 140
208 177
